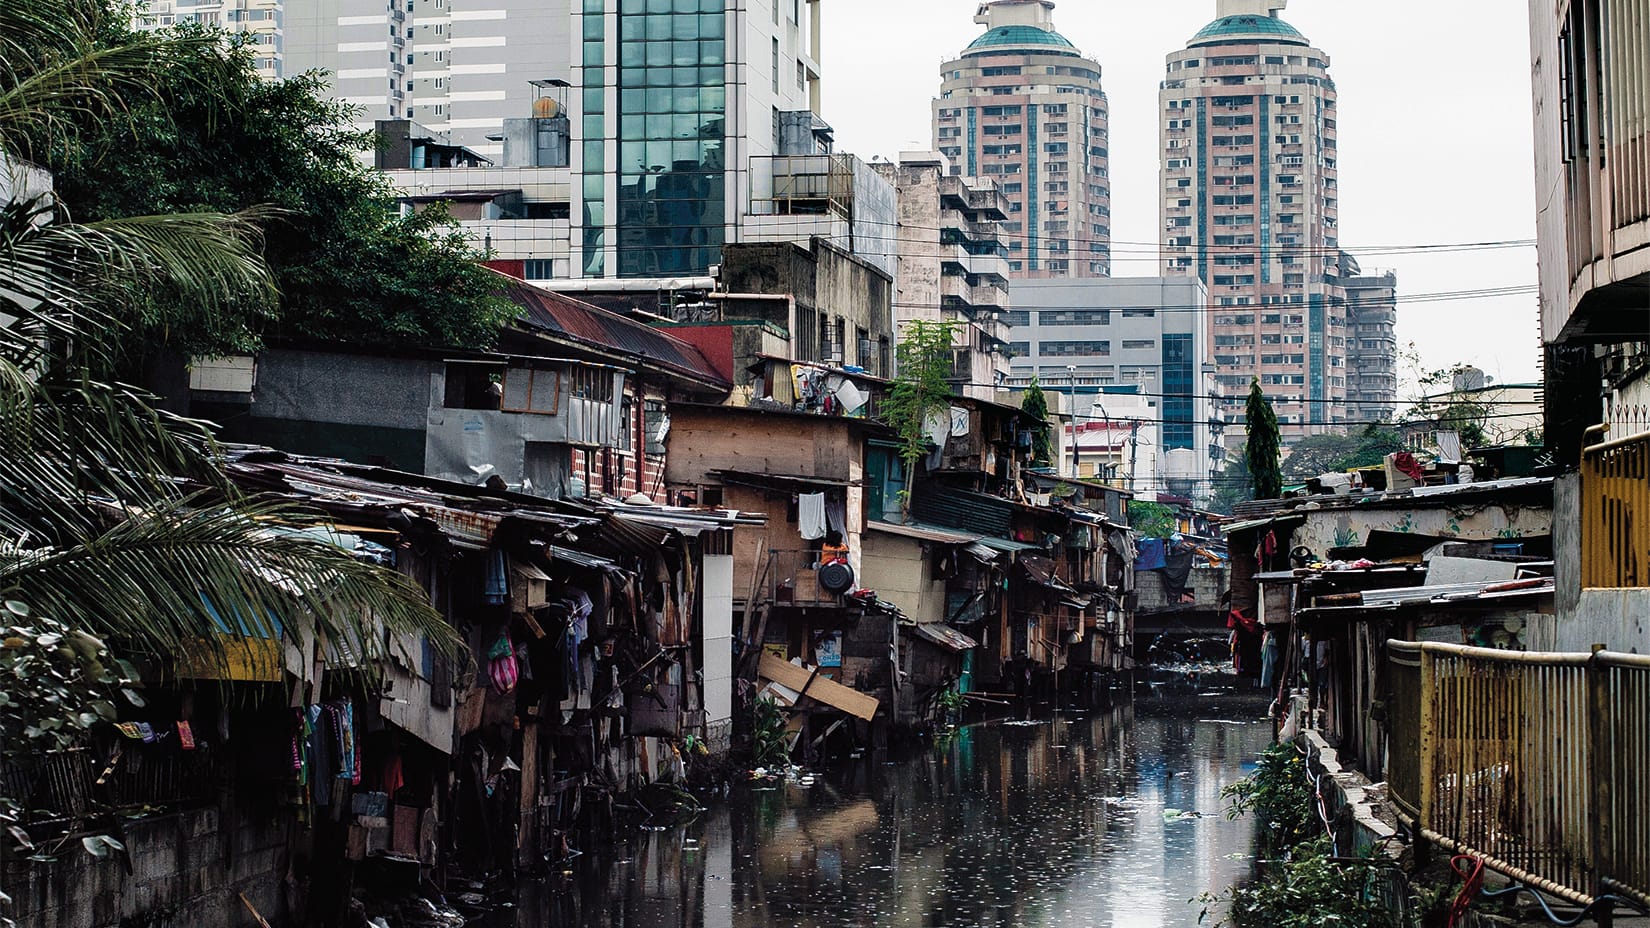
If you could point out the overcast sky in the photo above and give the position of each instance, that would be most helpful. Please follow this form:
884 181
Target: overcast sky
1434 120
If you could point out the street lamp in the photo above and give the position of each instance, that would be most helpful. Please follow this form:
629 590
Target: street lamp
1071 369
1108 469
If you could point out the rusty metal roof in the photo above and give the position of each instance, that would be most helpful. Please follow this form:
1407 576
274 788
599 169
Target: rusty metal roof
590 326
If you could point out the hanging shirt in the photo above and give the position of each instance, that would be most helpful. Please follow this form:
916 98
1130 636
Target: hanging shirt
810 515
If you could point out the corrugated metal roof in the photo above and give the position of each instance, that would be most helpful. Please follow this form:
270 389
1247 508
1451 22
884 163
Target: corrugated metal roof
923 532
945 636
581 322
973 512
1006 546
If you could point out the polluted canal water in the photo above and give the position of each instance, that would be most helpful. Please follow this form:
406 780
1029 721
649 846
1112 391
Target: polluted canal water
1105 817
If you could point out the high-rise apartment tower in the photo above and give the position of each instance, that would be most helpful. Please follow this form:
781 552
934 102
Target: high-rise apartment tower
1250 206
456 67
1022 106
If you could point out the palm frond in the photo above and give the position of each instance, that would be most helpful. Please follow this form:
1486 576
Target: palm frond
58 73
62 281
69 445
181 577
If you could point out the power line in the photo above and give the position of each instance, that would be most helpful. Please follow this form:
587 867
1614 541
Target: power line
807 221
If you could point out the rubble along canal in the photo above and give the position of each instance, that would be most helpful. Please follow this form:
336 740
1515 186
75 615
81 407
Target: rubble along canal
1106 817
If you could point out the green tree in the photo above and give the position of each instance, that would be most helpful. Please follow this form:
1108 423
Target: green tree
1035 404
208 134
1151 520
1331 452
1262 451
118 520
921 390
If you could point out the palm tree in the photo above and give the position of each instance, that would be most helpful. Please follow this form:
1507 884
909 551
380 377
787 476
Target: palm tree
116 517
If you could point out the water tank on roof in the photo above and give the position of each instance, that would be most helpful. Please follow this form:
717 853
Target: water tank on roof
546 107
1181 464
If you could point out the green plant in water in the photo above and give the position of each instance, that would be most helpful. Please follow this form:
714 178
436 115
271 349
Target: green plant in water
769 740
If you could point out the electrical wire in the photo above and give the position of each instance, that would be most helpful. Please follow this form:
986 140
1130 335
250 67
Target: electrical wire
811 220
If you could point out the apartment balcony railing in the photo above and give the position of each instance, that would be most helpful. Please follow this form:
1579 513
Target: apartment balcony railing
1531 761
1615 512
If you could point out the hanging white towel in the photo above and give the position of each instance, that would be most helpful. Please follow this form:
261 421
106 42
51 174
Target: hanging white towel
810 515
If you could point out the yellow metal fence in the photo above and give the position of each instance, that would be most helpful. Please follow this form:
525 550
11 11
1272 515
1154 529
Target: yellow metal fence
1535 762
1615 513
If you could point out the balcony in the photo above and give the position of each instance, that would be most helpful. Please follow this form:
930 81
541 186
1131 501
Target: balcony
806 185
1615 513
795 579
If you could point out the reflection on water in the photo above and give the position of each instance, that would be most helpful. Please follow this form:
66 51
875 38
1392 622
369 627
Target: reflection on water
1067 822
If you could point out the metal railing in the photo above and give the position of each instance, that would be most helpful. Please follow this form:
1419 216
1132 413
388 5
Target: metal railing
1615 512
1532 761
76 783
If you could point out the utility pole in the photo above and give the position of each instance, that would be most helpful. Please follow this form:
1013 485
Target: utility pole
1134 451
1071 393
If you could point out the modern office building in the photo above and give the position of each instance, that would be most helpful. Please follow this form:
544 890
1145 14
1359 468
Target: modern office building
1022 106
952 263
682 111
690 124
1250 206
1145 336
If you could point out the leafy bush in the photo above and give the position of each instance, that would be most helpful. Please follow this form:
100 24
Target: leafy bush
1308 891
1280 794
769 741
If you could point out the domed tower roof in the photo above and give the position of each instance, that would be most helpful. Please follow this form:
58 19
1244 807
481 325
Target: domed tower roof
1012 37
1247 28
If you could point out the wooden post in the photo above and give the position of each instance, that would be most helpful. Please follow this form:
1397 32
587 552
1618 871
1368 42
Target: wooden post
1599 774
1428 739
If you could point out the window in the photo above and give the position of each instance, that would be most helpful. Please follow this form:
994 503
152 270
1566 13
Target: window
776 63
1138 343
1075 349
1075 317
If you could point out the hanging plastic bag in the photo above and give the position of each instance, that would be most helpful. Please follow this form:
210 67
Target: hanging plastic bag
503 670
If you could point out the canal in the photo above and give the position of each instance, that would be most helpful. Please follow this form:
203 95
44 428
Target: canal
1109 817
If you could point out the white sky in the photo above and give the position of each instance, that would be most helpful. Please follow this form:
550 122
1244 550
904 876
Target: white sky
1434 121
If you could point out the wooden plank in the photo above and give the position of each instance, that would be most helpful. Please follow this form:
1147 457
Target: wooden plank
830 693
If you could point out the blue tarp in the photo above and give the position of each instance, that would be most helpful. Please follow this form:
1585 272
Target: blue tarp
1151 555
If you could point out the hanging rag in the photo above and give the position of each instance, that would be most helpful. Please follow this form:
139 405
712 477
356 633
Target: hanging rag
349 767
497 589
1406 464
186 736
810 515
393 777
1177 572
579 608
1271 651
322 763
836 516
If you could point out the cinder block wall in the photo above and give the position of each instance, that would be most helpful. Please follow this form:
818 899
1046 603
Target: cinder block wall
187 870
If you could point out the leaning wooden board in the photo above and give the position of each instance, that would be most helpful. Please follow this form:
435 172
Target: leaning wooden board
827 691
